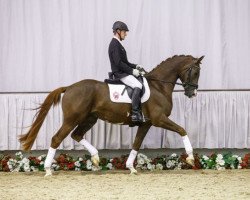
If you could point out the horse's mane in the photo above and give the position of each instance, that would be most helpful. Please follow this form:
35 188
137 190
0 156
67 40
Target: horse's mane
170 60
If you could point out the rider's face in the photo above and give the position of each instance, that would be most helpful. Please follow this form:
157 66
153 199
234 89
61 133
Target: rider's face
123 34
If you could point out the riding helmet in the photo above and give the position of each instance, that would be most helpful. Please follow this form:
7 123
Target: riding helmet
120 25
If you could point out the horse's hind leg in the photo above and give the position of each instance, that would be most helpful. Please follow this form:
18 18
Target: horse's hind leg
55 142
83 127
80 131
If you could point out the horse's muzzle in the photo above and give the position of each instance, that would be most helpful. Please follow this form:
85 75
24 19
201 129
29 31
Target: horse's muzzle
195 93
191 93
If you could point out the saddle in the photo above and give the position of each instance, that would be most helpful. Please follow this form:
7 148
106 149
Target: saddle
112 80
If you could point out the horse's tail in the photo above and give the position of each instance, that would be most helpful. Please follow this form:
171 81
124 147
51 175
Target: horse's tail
28 139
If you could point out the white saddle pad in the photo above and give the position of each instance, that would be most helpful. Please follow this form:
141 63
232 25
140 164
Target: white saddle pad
116 95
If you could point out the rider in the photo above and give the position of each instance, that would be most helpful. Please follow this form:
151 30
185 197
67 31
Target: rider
124 70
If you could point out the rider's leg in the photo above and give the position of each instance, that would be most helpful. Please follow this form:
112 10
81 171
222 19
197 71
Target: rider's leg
136 106
132 82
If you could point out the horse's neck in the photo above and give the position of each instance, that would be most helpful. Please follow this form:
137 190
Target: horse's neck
158 81
165 76
165 73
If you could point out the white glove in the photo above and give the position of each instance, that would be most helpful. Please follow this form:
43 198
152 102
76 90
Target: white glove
139 67
136 72
142 73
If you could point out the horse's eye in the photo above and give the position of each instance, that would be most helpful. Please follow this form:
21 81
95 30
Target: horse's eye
196 73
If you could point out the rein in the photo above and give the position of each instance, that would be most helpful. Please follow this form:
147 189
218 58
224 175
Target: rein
188 83
174 83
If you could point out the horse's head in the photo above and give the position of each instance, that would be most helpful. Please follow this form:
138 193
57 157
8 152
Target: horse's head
189 75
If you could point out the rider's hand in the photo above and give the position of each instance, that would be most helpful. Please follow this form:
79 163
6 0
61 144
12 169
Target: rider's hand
139 67
142 73
136 72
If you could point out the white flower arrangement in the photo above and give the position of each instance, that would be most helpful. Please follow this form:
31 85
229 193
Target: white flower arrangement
109 166
19 155
205 157
21 165
220 163
80 159
159 166
33 169
144 163
204 161
55 167
77 164
239 159
175 162
172 162
12 164
42 157
89 165
150 167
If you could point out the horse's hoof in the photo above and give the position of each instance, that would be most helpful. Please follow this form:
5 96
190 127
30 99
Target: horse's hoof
47 175
95 160
190 160
132 169
48 172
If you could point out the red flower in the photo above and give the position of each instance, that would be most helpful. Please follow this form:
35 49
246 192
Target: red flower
61 159
34 161
4 164
246 161
71 166
119 166
197 162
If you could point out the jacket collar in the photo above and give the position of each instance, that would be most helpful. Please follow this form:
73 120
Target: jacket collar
118 39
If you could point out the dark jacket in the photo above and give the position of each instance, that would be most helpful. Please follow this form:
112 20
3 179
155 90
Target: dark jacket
118 60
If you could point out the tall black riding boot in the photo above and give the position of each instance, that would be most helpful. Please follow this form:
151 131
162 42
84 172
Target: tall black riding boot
136 106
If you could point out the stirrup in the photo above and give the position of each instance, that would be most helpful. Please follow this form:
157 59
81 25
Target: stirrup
137 117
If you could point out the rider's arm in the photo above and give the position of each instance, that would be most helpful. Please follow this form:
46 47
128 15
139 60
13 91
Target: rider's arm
125 67
132 65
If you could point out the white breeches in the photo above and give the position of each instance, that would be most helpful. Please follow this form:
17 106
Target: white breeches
131 81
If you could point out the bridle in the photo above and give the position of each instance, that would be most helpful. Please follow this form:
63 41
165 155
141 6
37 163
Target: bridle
189 81
184 84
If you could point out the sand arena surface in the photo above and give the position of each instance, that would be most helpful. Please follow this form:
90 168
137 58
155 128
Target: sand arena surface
183 184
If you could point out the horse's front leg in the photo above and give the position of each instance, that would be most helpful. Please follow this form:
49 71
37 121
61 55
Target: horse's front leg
166 123
141 133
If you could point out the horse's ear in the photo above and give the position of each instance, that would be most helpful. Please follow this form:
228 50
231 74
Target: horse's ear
199 60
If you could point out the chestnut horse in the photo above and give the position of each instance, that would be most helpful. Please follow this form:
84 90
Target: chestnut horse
88 100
